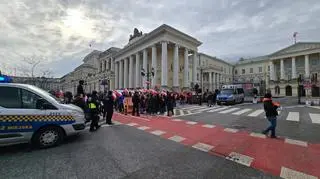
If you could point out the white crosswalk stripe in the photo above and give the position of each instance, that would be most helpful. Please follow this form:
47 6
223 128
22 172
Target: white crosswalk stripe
228 110
194 107
293 116
256 113
315 118
218 109
206 109
242 111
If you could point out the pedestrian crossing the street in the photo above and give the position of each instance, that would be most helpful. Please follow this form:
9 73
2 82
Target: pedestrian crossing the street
238 111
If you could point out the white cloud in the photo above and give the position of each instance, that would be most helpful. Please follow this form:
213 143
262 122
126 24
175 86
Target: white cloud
61 31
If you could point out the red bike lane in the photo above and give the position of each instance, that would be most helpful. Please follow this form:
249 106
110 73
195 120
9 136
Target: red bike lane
282 157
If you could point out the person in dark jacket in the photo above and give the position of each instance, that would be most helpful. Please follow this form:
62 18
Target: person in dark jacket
271 113
80 90
93 106
170 104
108 102
136 104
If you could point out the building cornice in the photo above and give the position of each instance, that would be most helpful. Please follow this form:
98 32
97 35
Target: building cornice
163 29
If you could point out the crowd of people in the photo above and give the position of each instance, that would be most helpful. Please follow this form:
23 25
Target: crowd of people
150 102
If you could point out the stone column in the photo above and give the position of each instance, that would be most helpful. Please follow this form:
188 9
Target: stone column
164 64
121 74
125 73
145 67
137 74
176 67
131 72
210 81
306 66
214 76
282 76
116 74
293 68
112 64
154 65
272 76
186 69
194 67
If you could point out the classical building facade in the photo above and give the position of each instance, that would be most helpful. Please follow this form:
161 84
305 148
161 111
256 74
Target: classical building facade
165 52
215 72
280 70
45 83
170 59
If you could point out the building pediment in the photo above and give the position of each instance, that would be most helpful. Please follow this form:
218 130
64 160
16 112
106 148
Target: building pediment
298 47
137 38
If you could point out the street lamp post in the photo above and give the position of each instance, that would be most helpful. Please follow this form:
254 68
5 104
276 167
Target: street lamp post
143 74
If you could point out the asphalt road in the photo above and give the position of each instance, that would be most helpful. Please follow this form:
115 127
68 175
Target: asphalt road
303 129
119 152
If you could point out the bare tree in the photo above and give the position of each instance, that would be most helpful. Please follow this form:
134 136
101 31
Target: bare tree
29 68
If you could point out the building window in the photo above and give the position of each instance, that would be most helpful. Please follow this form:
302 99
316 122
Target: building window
251 70
235 72
197 76
268 68
243 71
260 69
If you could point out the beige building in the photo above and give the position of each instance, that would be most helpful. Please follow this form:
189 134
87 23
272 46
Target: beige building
280 70
45 83
215 72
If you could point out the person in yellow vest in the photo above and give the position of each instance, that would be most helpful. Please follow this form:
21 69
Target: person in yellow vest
93 106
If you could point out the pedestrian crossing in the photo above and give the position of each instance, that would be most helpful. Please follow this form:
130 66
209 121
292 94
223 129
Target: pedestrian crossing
248 112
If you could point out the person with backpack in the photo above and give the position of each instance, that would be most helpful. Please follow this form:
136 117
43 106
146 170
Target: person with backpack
270 109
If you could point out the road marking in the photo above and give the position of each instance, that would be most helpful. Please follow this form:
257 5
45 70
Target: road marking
256 113
177 120
158 132
177 138
230 130
188 112
228 110
191 122
296 142
207 109
117 122
132 124
293 116
242 111
218 109
181 112
208 126
194 107
239 158
315 118
253 134
288 173
203 147
143 128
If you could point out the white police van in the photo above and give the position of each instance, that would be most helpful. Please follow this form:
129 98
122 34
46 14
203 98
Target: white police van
230 94
30 114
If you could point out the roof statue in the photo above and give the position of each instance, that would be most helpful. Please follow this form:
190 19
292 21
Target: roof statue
135 34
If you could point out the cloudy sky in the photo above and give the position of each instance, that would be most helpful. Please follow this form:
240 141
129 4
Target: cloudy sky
59 31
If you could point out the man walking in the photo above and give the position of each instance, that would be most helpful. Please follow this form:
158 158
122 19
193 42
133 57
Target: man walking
108 102
271 113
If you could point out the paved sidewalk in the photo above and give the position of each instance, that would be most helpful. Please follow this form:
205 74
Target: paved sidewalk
282 157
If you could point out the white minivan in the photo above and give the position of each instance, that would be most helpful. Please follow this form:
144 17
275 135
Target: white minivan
30 114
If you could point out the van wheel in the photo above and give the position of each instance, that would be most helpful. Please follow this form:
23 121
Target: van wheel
48 137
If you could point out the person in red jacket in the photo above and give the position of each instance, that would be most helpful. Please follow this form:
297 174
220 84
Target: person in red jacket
270 109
